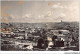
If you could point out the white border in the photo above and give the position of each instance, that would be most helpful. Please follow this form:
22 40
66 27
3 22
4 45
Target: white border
40 52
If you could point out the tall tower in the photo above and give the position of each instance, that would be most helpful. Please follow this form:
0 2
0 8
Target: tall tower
61 21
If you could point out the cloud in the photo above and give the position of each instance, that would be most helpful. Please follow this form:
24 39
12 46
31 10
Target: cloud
7 18
59 5
4 15
10 17
56 5
49 14
27 16
62 15
40 16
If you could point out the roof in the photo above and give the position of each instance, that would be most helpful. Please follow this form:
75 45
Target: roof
61 35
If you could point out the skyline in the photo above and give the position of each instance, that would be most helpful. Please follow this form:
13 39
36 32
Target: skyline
39 11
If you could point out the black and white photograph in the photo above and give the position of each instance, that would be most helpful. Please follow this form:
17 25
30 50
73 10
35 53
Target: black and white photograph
39 25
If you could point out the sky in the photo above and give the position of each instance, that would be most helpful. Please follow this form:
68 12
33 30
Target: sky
39 11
